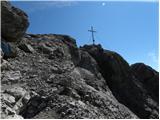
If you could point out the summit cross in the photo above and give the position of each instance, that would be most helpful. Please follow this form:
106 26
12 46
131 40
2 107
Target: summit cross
92 31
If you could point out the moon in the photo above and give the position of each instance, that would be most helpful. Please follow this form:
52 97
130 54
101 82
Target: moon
103 4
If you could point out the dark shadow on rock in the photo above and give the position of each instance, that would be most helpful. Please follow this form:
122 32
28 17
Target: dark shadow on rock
122 82
34 106
148 77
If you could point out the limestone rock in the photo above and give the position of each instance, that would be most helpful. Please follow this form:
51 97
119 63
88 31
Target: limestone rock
7 110
8 98
26 48
5 65
45 49
60 80
78 83
118 75
148 77
17 92
34 106
9 50
14 22
57 53
11 76
88 62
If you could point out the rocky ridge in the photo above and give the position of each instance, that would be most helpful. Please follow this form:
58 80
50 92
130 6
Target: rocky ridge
48 76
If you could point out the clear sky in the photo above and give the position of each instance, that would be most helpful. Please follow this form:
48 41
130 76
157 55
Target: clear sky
129 28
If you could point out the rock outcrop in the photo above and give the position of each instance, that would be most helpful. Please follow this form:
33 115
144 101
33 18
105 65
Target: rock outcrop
124 84
70 82
148 77
50 77
14 22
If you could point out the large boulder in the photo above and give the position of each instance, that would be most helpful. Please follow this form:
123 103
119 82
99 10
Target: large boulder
124 85
14 22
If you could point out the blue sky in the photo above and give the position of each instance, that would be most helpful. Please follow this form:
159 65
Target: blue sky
129 28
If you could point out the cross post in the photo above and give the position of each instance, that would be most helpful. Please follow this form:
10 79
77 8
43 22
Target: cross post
92 31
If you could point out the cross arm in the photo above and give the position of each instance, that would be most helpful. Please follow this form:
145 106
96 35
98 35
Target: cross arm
91 31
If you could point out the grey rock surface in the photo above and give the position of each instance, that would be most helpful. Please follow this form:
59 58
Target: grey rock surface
148 77
74 89
123 83
50 77
26 48
14 22
8 49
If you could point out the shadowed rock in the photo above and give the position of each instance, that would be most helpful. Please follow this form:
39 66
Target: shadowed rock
122 82
148 77
14 22
9 50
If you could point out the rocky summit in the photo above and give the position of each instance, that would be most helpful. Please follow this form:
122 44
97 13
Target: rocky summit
48 76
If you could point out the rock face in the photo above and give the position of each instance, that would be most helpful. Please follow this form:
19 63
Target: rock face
52 78
124 84
70 82
14 22
148 77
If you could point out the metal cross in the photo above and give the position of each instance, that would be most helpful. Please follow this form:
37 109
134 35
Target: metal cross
92 31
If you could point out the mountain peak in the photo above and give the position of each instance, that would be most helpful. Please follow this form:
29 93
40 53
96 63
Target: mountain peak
48 76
